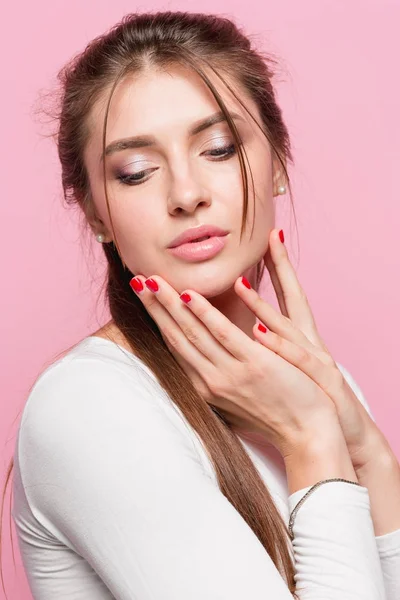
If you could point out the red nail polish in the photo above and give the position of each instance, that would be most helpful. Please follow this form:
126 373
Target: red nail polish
246 283
185 297
281 236
262 328
152 285
136 284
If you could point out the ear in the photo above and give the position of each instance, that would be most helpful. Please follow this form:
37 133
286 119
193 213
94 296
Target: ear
278 176
94 221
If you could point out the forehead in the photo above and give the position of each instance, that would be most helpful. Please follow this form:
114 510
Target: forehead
158 102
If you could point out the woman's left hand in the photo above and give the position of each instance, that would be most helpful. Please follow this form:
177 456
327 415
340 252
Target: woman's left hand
293 336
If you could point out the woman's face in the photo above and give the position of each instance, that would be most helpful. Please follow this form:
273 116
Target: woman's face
181 179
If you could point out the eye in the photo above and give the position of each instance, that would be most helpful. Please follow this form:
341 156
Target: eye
224 152
133 178
220 154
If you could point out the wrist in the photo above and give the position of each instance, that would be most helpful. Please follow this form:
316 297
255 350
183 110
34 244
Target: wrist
381 476
322 437
318 458
378 458
374 453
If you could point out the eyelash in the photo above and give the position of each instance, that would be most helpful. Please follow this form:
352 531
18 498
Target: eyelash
130 179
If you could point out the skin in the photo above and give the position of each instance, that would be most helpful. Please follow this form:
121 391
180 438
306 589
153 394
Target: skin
188 188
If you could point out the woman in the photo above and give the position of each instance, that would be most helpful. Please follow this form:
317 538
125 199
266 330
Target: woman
184 450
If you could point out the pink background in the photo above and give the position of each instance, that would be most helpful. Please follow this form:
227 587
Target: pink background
340 96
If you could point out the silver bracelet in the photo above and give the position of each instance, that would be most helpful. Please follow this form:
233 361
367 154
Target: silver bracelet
300 502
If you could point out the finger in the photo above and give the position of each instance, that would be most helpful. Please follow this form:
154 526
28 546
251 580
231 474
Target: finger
172 334
328 377
287 286
205 325
218 341
276 322
269 263
322 374
261 308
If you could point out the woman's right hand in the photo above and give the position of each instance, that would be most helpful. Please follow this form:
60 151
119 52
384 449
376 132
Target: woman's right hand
254 388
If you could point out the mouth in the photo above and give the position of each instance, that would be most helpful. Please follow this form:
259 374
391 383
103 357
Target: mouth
200 249
197 234
205 237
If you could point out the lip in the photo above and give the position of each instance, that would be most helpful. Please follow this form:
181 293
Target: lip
197 232
197 251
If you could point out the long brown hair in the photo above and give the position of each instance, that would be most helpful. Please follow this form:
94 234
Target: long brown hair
201 42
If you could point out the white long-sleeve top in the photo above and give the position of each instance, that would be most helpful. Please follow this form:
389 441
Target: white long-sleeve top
114 497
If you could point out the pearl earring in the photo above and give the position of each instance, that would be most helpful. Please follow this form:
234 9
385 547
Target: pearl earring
282 189
100 237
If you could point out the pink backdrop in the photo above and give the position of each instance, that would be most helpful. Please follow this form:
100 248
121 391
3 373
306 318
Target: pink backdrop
340 95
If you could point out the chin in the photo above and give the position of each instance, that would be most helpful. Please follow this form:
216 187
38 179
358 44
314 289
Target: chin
209 278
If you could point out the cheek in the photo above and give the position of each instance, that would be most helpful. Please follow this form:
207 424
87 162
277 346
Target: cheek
263 216
264 223
259 178
134 231
141 238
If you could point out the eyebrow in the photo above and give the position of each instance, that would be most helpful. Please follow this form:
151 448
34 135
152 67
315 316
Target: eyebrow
142 141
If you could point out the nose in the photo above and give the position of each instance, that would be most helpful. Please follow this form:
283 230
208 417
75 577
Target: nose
186 194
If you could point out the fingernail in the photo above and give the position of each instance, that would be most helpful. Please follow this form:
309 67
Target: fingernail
136 284
281 236
246 283
152 285
262 328
185 297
